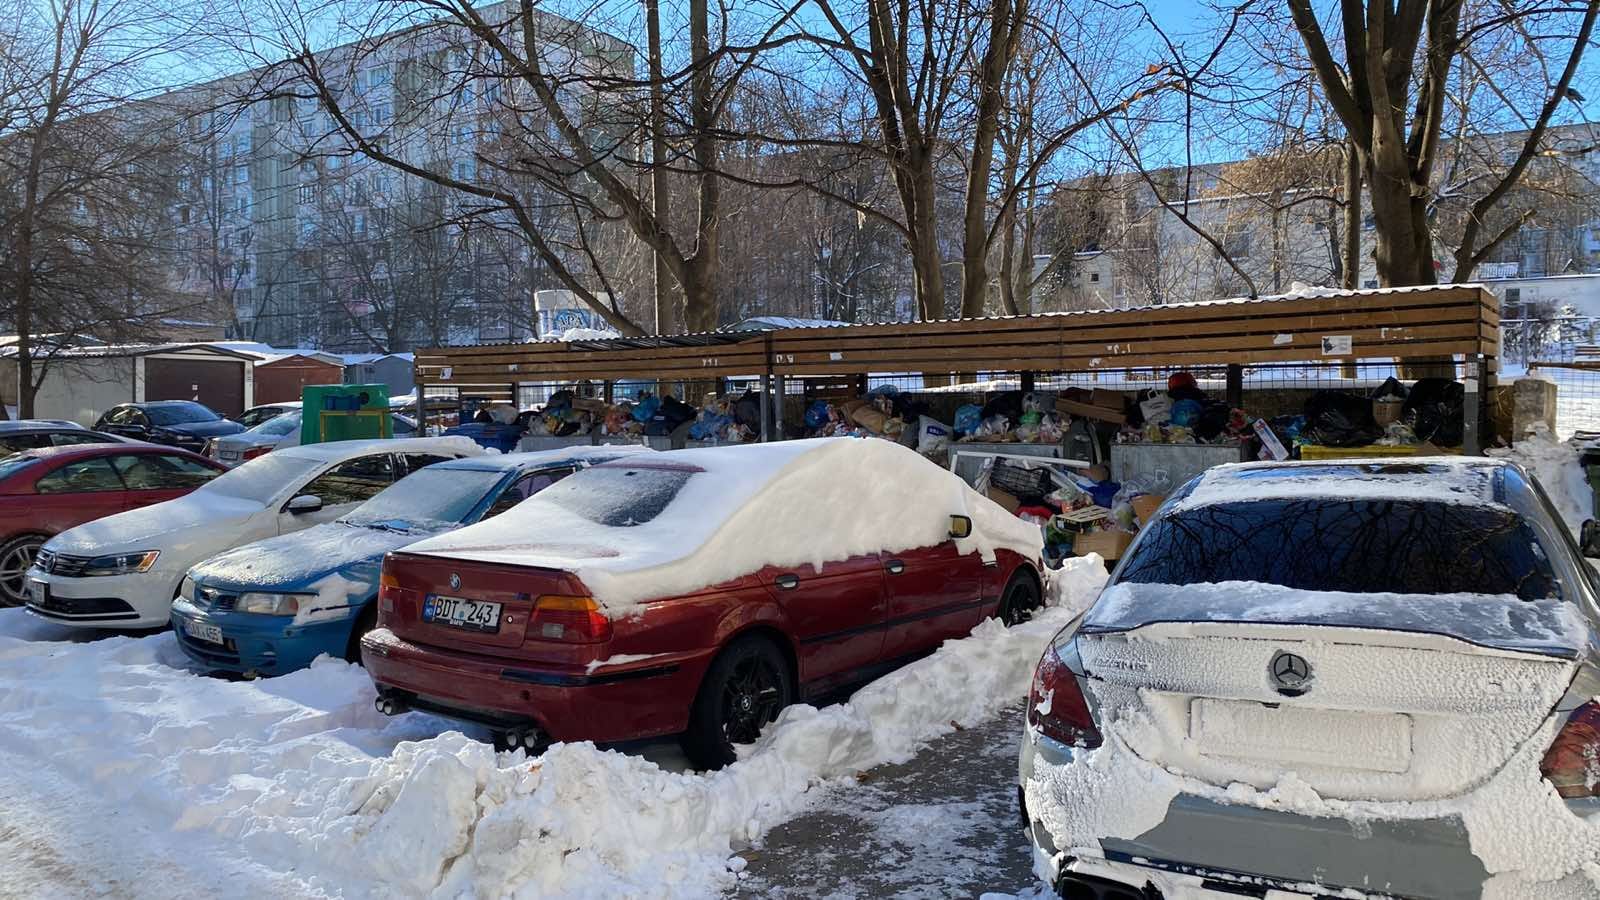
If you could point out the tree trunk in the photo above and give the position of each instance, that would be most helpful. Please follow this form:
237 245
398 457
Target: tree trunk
991 80
1351 262
700 289
660 189
927 267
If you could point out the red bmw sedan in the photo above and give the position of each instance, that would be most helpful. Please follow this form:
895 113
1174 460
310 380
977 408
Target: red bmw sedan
695 592
46 491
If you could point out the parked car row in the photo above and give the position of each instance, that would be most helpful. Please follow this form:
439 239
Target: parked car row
597 593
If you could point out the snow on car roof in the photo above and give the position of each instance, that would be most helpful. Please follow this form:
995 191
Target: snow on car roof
734 511
1435 479
505 462
331 450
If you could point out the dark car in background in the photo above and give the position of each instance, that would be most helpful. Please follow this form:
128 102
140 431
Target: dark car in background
176 423
48 490
31 434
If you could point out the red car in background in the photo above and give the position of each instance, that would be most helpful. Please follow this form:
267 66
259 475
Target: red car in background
695 592
46 491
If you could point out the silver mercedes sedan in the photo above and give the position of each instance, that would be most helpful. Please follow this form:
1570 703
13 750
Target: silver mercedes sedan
1374 678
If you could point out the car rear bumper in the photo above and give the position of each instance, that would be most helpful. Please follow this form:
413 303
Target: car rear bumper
644 699
113 601
260 645
1205 848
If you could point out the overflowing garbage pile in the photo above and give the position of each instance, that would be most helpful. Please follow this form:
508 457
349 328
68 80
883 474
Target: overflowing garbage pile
1426 417
1081 510
721 418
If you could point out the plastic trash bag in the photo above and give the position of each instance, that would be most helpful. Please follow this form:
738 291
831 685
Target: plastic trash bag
1339 419
1434 410
968 418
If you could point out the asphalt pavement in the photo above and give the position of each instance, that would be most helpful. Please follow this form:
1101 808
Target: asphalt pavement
943 825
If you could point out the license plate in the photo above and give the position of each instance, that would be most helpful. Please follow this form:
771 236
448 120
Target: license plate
1374 742
456 612
202 631
38 592
229 454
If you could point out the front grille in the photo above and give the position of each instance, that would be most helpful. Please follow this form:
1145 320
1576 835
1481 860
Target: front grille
211 598
86 606
62 564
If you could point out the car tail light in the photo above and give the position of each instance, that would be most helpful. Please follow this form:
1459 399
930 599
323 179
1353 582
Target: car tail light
254 452
1572 763
389 590
576 620
1056 707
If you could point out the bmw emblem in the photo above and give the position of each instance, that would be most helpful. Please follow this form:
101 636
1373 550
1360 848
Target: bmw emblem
1291 674
455 582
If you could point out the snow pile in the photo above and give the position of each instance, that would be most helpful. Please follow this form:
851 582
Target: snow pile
298 783
791 493
1559 470
581 334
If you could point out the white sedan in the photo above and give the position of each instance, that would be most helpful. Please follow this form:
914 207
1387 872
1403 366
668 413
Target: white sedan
280 431
123 571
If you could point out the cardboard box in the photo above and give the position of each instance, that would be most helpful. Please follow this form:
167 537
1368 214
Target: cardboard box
1107 399
1145 506
1005 499
1091 411
1109 544
1386 411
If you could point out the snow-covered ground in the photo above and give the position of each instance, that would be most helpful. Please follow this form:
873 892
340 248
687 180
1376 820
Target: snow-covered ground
133 776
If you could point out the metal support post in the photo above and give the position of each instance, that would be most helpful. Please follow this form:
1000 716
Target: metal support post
766 407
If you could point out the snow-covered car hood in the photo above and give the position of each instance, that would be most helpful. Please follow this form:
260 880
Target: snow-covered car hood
299 560
791 503
159 526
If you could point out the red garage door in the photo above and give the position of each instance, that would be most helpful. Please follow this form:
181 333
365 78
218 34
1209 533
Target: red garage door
218 383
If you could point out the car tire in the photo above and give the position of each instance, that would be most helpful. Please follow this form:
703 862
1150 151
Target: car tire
16 557
748 684
365 622
1021 598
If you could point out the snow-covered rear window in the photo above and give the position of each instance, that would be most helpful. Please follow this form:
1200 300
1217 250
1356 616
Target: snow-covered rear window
1466 481
618 496
1355 546
279 426
262 478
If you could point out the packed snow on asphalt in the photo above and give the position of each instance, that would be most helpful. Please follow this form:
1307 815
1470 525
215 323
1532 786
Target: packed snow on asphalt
135 776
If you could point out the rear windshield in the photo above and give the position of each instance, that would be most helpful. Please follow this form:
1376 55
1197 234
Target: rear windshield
1355 546
617 496
180 414
278 426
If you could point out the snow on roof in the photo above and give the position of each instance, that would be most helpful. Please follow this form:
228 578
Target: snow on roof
1436 479
358 359
580 334
114 350
791 503
331 450
771 323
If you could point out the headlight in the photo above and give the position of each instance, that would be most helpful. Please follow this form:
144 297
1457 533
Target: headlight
186 590
268 604
122 563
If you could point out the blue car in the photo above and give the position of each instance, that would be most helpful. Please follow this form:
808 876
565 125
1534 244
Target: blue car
275 605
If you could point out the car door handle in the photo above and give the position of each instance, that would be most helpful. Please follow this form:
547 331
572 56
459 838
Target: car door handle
895 566
787 582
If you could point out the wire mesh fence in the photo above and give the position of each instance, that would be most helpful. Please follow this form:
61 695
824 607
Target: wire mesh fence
1577 395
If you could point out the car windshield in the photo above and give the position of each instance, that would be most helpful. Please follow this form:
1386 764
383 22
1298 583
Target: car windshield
1356 546
179 414
262 478
617 496
429 499
278 426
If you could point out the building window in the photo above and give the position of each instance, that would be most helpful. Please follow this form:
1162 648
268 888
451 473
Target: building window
308 193
1094 277
241 174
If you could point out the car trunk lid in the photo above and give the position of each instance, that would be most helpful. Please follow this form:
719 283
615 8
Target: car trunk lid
1337 703
414 583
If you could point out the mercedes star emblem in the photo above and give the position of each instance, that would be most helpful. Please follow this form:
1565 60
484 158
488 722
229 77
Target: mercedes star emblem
455 585
1290 673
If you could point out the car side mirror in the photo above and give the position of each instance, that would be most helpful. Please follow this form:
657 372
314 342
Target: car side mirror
1589 539
960 527
305 503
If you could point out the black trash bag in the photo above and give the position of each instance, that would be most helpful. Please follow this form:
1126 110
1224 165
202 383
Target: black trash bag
1005 403
672 413
747 410
1391 388
1339 419
1089 441
559 402
1213 421
1434 410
